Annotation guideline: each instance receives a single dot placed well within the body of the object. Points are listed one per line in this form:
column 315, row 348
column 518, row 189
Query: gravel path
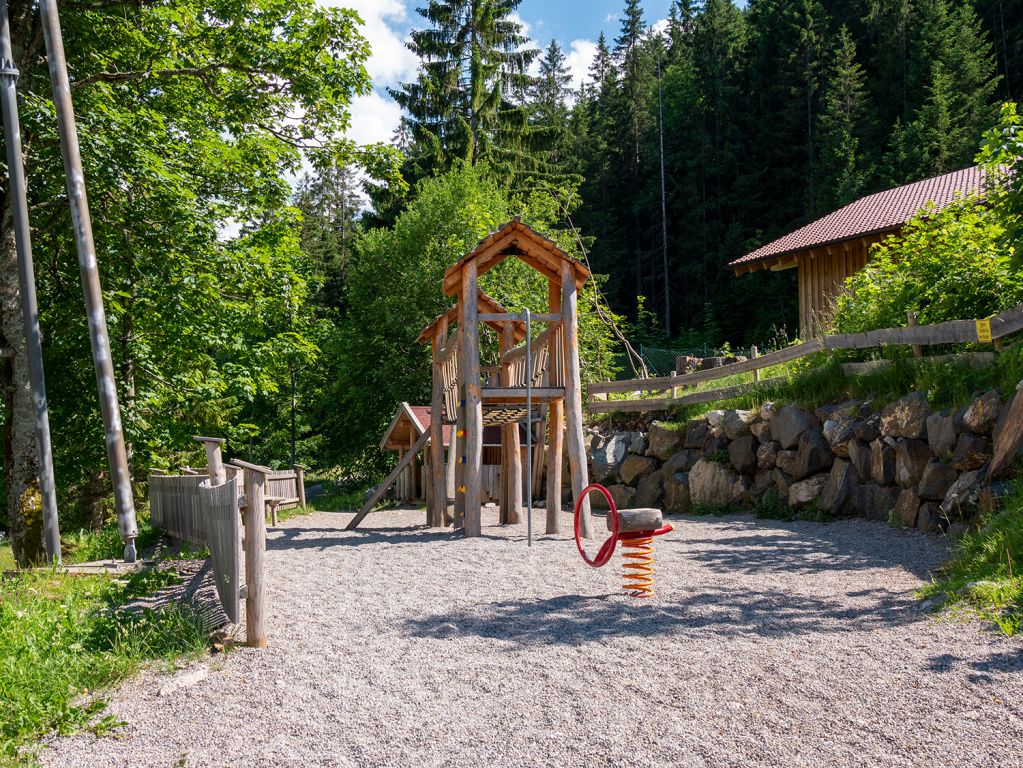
column 770, row 644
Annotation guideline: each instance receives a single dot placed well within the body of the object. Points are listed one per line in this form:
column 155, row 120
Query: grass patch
column 62, row 641
column 338, row 497
column 105, row 544
column 985, row 579
column 6, row 558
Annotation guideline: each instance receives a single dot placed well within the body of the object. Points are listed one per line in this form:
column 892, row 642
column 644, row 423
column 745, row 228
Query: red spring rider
column 635, row 529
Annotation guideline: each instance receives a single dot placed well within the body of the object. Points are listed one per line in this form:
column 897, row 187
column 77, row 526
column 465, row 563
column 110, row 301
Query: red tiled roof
column 873, row 214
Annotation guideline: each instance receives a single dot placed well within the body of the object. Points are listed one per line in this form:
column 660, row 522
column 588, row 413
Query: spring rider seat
column 635, row 529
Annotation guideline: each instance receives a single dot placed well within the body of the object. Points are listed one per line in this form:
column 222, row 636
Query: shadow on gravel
column 293, row 538
column 1007, row 662
column 716, row 612
column 760, row 546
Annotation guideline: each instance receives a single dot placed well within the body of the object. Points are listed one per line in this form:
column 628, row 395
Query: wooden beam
column 439, row 498
column 573, row 395
column 391, row 478
column 473, row 403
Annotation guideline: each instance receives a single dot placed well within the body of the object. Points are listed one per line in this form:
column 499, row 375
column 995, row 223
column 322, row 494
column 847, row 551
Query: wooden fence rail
column 952, row 332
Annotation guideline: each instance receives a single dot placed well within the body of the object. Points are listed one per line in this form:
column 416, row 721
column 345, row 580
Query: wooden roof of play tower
column 515, row 239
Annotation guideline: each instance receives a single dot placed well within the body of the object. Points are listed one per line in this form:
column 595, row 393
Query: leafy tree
column 1002, row 156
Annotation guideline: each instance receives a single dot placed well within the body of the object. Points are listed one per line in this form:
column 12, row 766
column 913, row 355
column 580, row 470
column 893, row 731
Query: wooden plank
column 255, row 551
column 574, row 443
column 505, row 317
column 473, row 402
column 630, row 406
column 518, row 394
column 951, row 332
column 391, row 478
column 1007, row 322
column 667, row 382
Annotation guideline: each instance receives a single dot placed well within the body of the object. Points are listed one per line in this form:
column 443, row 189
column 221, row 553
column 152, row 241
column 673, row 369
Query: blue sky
column 576, row 24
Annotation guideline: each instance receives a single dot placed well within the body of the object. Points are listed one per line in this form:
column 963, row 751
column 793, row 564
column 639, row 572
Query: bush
column 946, row 265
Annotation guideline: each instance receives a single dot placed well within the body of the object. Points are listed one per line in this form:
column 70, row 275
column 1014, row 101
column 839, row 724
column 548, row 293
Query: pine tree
column 549, row 113
column 463, row 103
column 843, row 169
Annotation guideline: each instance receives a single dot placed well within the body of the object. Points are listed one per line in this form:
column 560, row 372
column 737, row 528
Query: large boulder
column 787, row 461
column 767, row 411
column 782, row 482
column 608, row 454
column 767, row 455
column 761, row 430
column 882, row 463
column 710, row 484
column 962, row 498
column 1009, row 437
column 861, row 458
column 664, row 439
column 907, row 506
column 696, row 434
column 869, row 429
column 982, row 413
column 635, row 468
column 716, row 442
column 650, row 492
column 838, row 491
column 638, row 445
column 624, row 497
column 839, row 434
column 714, row 417
column 806, row 492
column 906, row 417
column 911, row 459
column 763, row 481
column 814, row 454
column 873, row 502
column 683, row 461
column 742, row 452
column 928, row 518
column 936, row 481
column 737, row 423
column 972, row 452
column 676, row 494
column 941, row 433
column 789, row 423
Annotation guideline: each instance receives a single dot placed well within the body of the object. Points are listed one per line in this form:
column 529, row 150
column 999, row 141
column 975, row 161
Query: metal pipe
column 27, row 282
column 98, row 336
column 529, row 433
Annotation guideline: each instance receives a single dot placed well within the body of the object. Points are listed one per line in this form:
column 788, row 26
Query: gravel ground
column 769, row 644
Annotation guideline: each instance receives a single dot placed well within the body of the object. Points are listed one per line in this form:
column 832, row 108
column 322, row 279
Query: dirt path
column 781, row 644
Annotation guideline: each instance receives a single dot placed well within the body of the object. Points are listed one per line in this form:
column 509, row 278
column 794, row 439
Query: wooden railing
column 953, row 332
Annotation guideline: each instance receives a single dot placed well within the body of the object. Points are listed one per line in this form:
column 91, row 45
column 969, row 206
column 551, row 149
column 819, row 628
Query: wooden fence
column 219, row 505
column 953, row 332
column 174, row 507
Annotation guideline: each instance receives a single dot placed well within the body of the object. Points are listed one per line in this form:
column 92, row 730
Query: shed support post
column 573, row 394
column 473, row 401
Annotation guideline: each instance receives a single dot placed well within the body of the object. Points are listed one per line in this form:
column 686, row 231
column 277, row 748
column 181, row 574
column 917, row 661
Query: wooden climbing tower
column 471, row 397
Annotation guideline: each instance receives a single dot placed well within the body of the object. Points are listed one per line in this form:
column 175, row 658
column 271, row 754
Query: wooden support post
column 381, row 489
column 413, row 485
column 459, row 432
column 556, row 426
column 918, row 351
column 439, row 497
column 214, row 459
column 511, row 454
column 473, row 401
column 451, row 475
column 573, row 394
column 400, row 491
column 300, row 483
column 255, row 550
column 754, row 353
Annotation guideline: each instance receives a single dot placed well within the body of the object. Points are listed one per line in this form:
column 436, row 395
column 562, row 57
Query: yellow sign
column 984, row 331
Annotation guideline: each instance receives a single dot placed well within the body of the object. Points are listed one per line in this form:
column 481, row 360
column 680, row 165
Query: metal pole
column 27, row 281
column 116, row 456
column 529, row 433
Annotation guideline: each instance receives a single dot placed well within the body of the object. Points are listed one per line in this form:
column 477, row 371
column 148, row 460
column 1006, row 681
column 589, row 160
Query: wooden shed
column 836, row 246
column 409, row 424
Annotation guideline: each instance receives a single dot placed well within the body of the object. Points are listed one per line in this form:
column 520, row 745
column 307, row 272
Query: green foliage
column 946, row 265
column 1002, row 156
column 985, row 578
column 62, row 642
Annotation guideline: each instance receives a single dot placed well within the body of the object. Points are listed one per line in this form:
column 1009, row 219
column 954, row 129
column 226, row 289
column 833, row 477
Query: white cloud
column 375, row 117
column 659, row 27
column 385, row 26
column 578, row 59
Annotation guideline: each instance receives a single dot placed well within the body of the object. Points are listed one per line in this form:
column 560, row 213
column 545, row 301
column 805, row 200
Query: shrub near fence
column 957, row 331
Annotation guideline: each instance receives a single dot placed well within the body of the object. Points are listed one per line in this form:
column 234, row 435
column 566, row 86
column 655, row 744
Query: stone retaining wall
column 904, row 464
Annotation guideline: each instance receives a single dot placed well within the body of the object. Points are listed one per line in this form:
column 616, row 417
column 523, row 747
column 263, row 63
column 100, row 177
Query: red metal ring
column 608, row 547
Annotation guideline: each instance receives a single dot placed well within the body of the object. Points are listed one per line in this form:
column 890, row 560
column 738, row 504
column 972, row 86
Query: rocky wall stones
column 906, row 417
column 789, row 423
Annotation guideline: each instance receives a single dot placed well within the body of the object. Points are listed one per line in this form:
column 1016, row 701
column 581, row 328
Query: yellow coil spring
column 638, row 568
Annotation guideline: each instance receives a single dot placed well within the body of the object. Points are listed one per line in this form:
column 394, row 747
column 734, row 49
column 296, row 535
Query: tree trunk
column 94, row 501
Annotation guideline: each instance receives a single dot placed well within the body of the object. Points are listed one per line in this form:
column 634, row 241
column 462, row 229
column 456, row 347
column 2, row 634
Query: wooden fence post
column 255, row 551
column 300, row 483
column 214, row 459
column 754, row 353
column 918, row 351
